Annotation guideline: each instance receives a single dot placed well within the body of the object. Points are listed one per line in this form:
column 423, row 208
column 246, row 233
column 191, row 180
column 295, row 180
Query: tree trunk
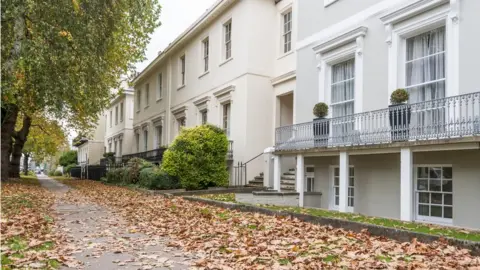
column 20, row 139
column 9, row 119
column 25, row 163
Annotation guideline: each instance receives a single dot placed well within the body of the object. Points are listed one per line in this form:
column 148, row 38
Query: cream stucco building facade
column 234, row 68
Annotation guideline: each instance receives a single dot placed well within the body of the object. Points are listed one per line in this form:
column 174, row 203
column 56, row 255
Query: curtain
column 426, row 63
column 343, row 83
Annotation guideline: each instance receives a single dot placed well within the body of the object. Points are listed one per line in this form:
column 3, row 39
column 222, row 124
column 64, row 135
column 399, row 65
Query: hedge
column 197, row 157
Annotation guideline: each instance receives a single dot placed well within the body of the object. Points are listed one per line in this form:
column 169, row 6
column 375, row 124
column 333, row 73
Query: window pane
column 423, row 210
column 436, row 198
column 337, row 200
column 435, row 185
column 447, row 172
column 422, row 184
column 447, row 186
column 447, row 199
column 435, row 173
column 351, row 181
column 351, row 172
column 436, row 211
column 351, row 192
column 351, row 202
column 422, row 172
column 337, row 191
column 424, row 197
column 447, row 212
column 336, row 181
column 310, row 169
column 337, row 172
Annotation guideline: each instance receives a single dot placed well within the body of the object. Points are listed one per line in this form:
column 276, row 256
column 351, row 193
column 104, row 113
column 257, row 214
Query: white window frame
column 403, row 23
column 227, row 26
column 202, row 113
column 121, row 111
column 159, row 86
column 158, row 137
column 181, row 122
column 227, row 117
column 139, row 99
column 309, row 179
column 284, row 34
column 147, row 95
column 336, row 50
column 137, row 141
column 111, row 118
column 205, row 55
column 182, row 71
column 331, row 192
column 429, row 219
column 116, row 115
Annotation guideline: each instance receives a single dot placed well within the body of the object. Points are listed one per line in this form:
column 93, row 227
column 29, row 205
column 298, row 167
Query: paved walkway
column 103, row 240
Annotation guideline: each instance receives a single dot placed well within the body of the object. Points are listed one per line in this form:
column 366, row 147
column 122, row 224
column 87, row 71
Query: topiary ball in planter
column 320, row 110
column 399, row 96
column 321, row 126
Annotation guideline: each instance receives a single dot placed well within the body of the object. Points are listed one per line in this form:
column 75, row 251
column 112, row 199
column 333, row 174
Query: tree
column 68, row 158
column 197, row 157
column 44, row 140
column 62, row 59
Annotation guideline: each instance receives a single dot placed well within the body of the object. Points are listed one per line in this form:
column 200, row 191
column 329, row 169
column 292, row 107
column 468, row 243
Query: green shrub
column 57, row 173
column 135, row 165
column 115, row 176
column 197, row 157
column 155, row 178
column 320, row 110
column 29, row 173
column 399, row 96
column 51, row 173
column 68, row 168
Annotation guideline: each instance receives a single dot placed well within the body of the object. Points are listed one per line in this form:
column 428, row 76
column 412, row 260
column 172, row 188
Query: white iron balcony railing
column 449, row 117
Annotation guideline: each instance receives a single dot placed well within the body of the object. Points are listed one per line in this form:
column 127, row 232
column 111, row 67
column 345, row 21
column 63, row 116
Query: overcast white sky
column 176, row 16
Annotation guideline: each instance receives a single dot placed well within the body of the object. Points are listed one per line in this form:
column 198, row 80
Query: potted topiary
column 399, row 115
column 321, row 126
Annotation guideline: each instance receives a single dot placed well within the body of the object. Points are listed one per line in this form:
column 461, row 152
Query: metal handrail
column 447, row 117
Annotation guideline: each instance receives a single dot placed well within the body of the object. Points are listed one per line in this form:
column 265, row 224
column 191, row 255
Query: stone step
column 258, row 178
column 261, row 174
column 292, row 169
column 289, row 183
column 289, row 173
column 289, row 188
column 255, row 182
column 288, row 177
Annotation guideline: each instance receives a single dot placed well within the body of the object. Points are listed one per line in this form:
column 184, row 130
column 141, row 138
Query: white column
column 277, row 172
column 344, row 171
column 268, row 166
column 406, row 184
column 300, row 178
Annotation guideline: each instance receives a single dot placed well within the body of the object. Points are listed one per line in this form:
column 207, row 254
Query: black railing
column 155, row 155
column 240, row 172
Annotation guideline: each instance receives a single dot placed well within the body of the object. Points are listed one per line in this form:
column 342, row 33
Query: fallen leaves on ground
column 226, row 239
column 28, row 235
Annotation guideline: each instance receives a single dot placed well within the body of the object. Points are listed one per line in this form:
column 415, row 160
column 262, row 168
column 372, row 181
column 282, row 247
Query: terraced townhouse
column 235, row 68
column 352, row 55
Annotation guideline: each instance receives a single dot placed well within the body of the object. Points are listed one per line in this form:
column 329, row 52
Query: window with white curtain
column 226, row 118
column 147, row 94
column 160, row 86
column 343, row 97
column 205, row 45
column 425, row 79
column 227, row 31
column 425, row 66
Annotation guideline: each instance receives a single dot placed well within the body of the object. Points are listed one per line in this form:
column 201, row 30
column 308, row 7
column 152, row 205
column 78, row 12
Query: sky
column 176, row 17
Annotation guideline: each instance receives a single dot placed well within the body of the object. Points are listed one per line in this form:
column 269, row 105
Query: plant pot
column 321, row 132
column 399, row 116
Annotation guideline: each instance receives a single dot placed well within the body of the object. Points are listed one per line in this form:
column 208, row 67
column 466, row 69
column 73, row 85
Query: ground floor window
column 310, row 178
column 336, row 187
column 434, row 193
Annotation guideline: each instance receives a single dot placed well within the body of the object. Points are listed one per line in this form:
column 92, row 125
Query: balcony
column 445, row 118
column 155, row 155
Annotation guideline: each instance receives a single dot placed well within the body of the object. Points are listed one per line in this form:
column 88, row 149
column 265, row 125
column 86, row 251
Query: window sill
column 180, row 87
column 146, row 107
column 159, row 99
column 327, row 3
column 285, row 54
column 203, row 74
column 226, row 61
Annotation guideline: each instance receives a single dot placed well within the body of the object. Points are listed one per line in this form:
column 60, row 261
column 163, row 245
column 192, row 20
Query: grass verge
column 432, row 229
